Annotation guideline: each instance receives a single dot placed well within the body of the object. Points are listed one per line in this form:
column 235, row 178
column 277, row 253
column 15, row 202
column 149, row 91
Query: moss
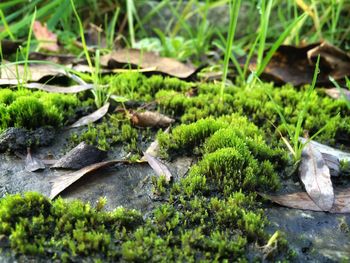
column 111, row 131
column 230, row 169
column 24, row 108
column 159, row 185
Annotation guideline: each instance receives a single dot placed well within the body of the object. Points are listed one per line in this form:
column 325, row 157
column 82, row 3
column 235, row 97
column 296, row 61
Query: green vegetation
column 31, row 110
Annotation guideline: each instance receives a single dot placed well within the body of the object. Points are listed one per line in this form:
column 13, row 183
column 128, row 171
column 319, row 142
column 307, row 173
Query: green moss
column 113, row 130
column 24, row 108
column 228, row 170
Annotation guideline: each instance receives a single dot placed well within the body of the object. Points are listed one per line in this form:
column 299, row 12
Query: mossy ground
column 213, row 214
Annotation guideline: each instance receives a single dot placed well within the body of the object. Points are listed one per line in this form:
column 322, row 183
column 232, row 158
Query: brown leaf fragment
column 296, row 65
column 145, row 60
column 80, row 156
column 57, row 89
column 301, row 200
column 150, row 119
column 315, row 175
column 33, row 164
column 158, row 166
column 333, row 59
column 47, row 39
column 95, row 116
column 35, row 72
column 61, row 183
column 63, row 59
column 338, row 93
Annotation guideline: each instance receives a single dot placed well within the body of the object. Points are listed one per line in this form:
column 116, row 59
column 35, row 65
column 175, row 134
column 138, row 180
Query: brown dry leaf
column 146, row 60
column 61, row 183
column 35, row 72
column 158, row 166
column 47, row 39
column 336, row 93
column 301, row 200
column 315, row 175
column 296, row 65
column 333, row 59
column 150, row 119
column 95, row 116
column 57, row 89
column 63, row 59
column 33, row 164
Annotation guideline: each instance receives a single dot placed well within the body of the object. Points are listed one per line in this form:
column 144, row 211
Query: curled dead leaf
column 150, row 119
column 33, row 164
column 47, row 39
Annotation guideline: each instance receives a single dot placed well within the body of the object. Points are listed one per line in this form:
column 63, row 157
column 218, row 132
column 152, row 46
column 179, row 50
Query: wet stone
column 18, row 139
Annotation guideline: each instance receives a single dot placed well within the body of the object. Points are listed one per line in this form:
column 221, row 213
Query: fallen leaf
column 296, row 65
column 35, row 72
column 333, row 60
column 332, row 163
column 146, row 60
column 301, row 200
column 47, row 39
column 342, row 156
column 95, row 116
column 80, row 156
column 61, row 183
column 336, row 93
column 315, row 175
column 63, row 59
column 57, row 89
column 158, row 166
column 33, row 164
column 150, row 119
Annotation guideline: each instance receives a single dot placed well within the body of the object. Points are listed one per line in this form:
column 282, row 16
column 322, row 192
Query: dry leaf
column 159, row 168
column 150, row 119
column 333, row 59
column 80, row 156
column 61, row 183
column 63, row 59
column 33, row 164
column 57, row 89
column 315, row 175
column 47, row 39
column 333, row 163
column 35, row 72
column 301, row 200
column 146, row 60
column 336, row 93
column 95, row 116
column 342, row 156
column 296, row 65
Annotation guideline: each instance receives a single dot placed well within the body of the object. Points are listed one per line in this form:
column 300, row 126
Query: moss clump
column 227, row 170
column 257, row 106
column 31, row 110
column 57, row 229
column 136, row 86
column 111, row 131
